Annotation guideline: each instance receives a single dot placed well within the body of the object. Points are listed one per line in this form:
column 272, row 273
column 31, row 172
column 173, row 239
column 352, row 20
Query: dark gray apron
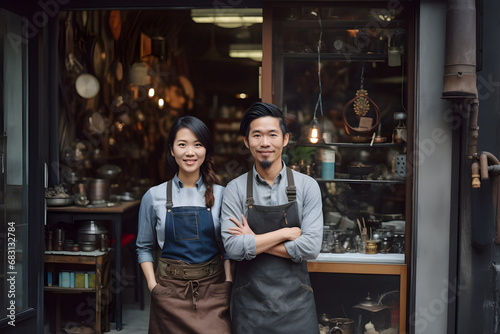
column 272, row 294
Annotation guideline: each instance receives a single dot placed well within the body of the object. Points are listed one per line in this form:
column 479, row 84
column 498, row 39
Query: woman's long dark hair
column 201, row 132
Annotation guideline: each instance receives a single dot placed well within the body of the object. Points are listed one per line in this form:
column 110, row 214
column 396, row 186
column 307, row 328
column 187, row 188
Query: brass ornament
column 361, row 105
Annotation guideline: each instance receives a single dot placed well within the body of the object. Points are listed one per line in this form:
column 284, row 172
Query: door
column 21, row 173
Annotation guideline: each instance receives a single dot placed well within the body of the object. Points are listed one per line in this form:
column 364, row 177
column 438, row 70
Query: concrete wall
column 432, row 182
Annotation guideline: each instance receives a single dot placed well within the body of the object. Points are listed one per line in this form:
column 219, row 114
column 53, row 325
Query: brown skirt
column 190, row 306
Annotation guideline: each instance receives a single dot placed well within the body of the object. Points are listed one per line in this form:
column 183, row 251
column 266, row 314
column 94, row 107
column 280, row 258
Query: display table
column 400, row 270
column 117, row 215
column 98, row 261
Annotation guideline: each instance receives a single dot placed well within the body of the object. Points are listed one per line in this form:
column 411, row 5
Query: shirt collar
column 278, row 178
column 179, row 184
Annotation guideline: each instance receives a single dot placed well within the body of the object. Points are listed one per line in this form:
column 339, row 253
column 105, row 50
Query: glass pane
column 342, row 72
column 13, row 162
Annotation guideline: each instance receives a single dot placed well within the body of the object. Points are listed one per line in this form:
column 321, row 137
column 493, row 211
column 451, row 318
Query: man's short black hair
column 258, row 110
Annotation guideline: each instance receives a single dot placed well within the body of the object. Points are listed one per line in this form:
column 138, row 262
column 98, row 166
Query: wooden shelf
column 56, row 289
column 100, row 262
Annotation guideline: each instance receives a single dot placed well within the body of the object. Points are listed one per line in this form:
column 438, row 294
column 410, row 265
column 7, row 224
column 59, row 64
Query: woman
column 191, row 288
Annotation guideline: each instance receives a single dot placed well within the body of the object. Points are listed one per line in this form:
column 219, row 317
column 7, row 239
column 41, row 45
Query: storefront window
column 13, row 171
column 340, row 75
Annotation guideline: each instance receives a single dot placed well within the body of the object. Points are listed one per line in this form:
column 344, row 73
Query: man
column 272, row 223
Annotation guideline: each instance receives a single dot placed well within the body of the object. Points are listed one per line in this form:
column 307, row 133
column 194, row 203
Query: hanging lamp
column 315, row 131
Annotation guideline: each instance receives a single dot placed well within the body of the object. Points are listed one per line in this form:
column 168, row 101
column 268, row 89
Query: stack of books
column 72, row 279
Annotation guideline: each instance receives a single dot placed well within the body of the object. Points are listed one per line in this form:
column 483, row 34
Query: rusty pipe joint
column 476, row 182
column 486, row 159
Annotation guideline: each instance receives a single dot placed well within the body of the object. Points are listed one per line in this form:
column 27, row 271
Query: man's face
column 265, row 140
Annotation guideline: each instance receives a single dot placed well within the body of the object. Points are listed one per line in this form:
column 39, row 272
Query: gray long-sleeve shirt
column 310, row 212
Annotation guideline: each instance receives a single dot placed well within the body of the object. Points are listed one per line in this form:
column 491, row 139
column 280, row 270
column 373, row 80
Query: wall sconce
column 252, row 51
column 228, row 18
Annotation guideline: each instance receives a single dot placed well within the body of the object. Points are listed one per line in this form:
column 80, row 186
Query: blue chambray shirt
column 152, row 213
column 310, row 211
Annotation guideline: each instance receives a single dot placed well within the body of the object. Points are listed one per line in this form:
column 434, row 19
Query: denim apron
column 189, row 298
column 272, row 294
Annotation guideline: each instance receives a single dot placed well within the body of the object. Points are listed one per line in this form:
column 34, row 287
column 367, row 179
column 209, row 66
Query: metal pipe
column 485, row 159
column 460, row 52
column 494, row 170
column 473, row 129
column 483, row 163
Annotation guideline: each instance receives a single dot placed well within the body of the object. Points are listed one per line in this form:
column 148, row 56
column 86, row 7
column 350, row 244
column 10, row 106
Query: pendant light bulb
column 314, row 132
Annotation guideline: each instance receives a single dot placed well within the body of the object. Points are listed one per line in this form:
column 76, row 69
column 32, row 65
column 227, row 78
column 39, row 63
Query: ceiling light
column 252, row 51
column 228, row 18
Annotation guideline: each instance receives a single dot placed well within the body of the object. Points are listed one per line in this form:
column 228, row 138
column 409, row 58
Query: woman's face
column 188, row 151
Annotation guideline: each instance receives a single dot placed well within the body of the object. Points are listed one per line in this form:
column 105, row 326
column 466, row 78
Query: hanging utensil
column 87, row 85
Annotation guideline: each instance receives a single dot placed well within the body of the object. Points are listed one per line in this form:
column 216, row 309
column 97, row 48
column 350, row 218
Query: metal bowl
column 87, row 246
column 59, row 201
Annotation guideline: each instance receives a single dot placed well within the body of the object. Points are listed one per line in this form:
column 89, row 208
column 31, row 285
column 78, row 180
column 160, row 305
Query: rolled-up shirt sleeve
column 308, row 245
column 238, row 247
column 146, row 236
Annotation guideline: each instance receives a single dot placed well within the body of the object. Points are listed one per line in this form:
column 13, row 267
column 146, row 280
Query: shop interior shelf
column 349, row 145
column 334, row 23
column 360, row 258
column 363, row 181
column 336, row 56
column 56, row 289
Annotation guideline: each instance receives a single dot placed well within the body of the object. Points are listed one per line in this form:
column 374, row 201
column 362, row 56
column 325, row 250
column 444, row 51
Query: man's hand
column 292, row 233
column 240, row 228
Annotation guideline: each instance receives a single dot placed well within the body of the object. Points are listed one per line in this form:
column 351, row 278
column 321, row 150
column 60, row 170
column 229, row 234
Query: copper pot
column 99, row 190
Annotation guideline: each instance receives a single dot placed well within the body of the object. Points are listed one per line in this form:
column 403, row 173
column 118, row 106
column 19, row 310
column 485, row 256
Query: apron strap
column 169, row 203
column 250, row 199
column 291, row 191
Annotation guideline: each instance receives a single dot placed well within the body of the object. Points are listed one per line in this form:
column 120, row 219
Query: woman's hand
column 240, row 228
column 152, row 286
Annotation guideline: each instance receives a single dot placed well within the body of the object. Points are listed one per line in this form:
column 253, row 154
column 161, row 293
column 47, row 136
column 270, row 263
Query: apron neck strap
column 291, row 191
column 169, row 203
column 250, row 199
